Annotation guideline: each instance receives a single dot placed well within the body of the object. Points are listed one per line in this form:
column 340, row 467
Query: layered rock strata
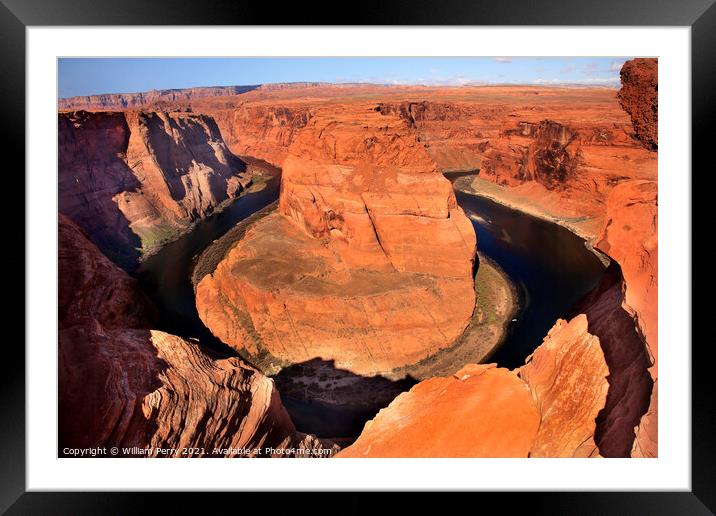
column 132, row 180
column 368, row 262
column 571, row 155
column 120, row 101
column 639, row 96
column 147, row 392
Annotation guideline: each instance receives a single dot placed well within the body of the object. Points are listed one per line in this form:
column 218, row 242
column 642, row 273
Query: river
column 166, row 275
column 550, row 266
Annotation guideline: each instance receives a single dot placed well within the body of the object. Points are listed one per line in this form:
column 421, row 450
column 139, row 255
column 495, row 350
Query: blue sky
column 88, row 76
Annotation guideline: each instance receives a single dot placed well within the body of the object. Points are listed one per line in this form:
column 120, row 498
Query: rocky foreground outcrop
column 132, row 180
column 368, row 261
column 545, row 409
column 123, row 384
column 639, row 96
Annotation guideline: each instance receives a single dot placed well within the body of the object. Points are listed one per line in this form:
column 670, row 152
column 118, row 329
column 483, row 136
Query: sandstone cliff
column 639, row 96
column 630, row 237
column 369, row 260
column 263, row 130
column 120, row 101
column 123, row 384
column 556, row 153
column 133, row 180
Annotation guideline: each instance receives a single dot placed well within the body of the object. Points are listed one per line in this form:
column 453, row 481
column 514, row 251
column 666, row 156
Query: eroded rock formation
column 481, row 411
column 368, row 262
column 567, row 376
column 630, row 237
column 363, row 263
column 639, row 96
column 123, row 384
column 133, row 180
column 262, row 130
column 547, row 408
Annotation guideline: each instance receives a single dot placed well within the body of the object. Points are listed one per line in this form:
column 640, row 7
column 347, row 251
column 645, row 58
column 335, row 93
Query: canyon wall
column 262, row 130
column 133, row 180
column 123, row 384
column 368, row 261
column 639, row 96
column 554, row 152
column 630, row 237
column 121, row 101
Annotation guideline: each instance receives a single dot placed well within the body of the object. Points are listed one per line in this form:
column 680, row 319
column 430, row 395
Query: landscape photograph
column 358, row 257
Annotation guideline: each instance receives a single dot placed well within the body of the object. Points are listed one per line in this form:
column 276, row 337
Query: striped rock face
column 132, row 180
column 125, row 385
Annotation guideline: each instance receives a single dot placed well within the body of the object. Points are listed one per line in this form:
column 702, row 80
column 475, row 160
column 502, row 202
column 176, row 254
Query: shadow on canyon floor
column 626, row 355
column 335, row 403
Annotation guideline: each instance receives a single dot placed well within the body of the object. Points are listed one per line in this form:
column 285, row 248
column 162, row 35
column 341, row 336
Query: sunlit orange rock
column 547, row 408
column 481, row 411
column 368, row 260
column 639, row 96
column 567, row 375
column 630, row 236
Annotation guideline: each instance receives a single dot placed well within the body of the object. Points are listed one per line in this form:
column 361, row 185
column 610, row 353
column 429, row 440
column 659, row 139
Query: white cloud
column 595, row 81
column 503, row 59
column 617, row 65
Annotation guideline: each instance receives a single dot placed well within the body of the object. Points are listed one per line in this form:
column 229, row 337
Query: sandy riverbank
column 584, row 227
column 497, row 303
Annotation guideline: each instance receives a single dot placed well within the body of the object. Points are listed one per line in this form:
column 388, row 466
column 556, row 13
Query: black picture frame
column 17, row 15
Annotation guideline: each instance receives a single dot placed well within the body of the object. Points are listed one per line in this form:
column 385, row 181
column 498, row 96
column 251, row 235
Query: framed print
column 425, row 257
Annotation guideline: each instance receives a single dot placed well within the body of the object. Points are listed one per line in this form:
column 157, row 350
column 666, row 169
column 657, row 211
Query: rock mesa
column 368, row 261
